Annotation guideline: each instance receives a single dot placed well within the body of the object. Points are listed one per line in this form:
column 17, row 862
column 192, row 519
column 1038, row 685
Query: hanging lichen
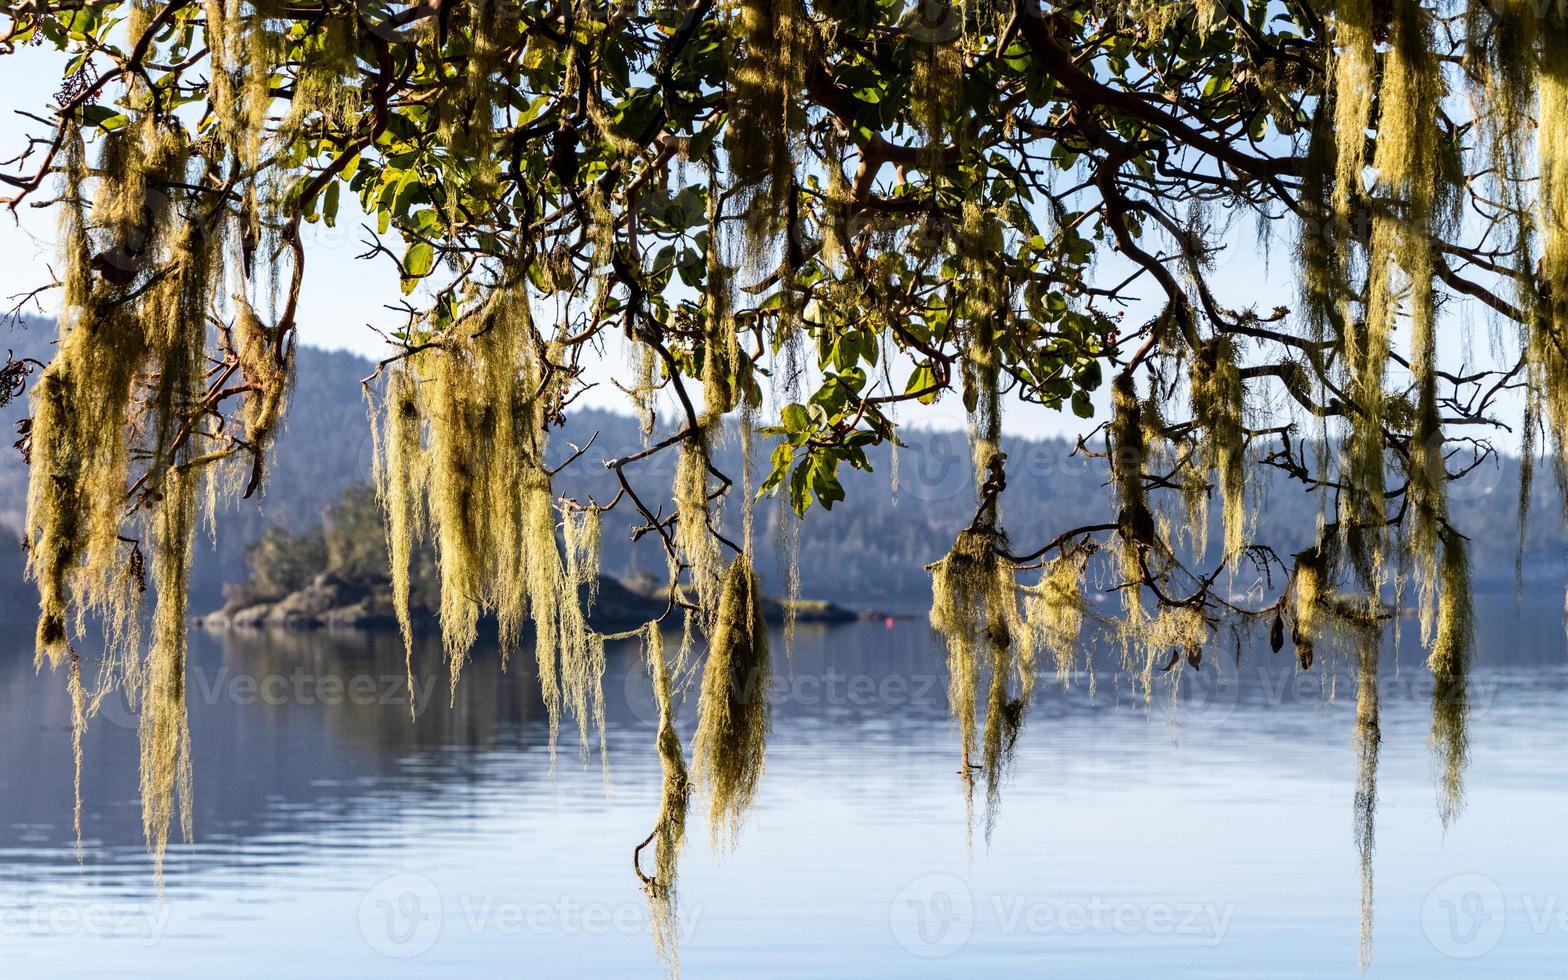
column 1054, row 610
column 563, row 641
column 836, row 204
column 1427, row 469
column 325, row 82
column 1546, row 351
column 1414, row 178
column 580, row 529
column 1195, row 487
column 1135, row 523
column 975, row 612
column 974, row 608
column 522, row 159
column 1450, row 665
column 490, row 508
column 164, row 727
column 1501, row 40
column 78, row 695
column 242, row 52
column 1368, row 741
column 981, row 375
column 80, row 438
column 669, row 833
column 1310, row 587
column 767, row 71
column 1217, row 403
column 399, row 471
column 458, row 503
column 966, row 572
column 645, row 390
column 466, row 118
column 936, row 93
column 267, row 372
column 518, row 501
column 692, row 534
column 116, row 435
column 1355, row 68
column 733, row 709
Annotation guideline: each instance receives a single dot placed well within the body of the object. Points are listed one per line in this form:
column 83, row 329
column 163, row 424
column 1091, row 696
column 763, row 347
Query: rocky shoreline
column 333, row 602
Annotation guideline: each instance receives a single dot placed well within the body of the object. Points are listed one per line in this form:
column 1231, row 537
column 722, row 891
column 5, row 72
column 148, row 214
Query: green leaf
column 799, row 490
column 794, row 418
column 104, row 117
column 420, row 259
column 921, row 379
column 700, row 145
column 417, row 263
column 329, row 208
column 409, row 192
column 424, row 221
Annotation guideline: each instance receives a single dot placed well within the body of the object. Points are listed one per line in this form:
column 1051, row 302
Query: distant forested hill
column 869, row 551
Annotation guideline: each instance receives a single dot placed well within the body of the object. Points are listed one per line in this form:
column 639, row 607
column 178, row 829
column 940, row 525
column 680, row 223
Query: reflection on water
column 338, row 836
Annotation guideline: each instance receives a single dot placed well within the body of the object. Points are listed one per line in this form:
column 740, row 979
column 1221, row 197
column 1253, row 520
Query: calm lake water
column 336, row 837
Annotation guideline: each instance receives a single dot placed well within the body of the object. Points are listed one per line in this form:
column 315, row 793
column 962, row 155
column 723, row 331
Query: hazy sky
column 343, row 295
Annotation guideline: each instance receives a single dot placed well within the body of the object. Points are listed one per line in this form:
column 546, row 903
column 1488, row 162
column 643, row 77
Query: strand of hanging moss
column 733, row 711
